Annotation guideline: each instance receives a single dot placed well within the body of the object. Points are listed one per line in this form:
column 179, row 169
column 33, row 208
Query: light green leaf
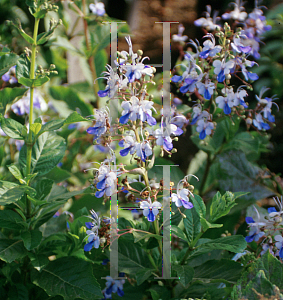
column 15, row 172
column 31, row 238
column 35, row 128
column 74, row 117
column 11, row 220
column 47, row 152
column 7, row 61
column 69, row 277
column 185, row 274
column 198, row 205
column 11, row 250
column 13, row 128
column 23, row 67
column 33, row 82
column 8, row 95
column 13, row 194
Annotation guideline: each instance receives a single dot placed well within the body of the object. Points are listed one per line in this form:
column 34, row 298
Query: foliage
column 63, row 161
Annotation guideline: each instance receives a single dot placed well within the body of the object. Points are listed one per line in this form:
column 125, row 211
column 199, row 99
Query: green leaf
column 8, row 95
column 234, row 243
column 47, row 152
column 13, row 194
column 74, row 117
column 7, row 61
column 224, row 270
column 140, row 235
column 192, row 224
column 35, row 128
column 15, row 172
column 11, row 220
column 66, row 45
column 206, row 225
column 178, row 232
column 33, row 82
column 139, row 186
column 72, row 99
column 31, row 238
column 132, row 258
column 185, row 274
column 198, row 205
column 23, row 66
column 58, row 175
column 19, row 28
column 43, row 188
column 69, row 277
column 13, row 128
column 260, row 285
column 142, row 276
column 11, row 250
column 237, row 174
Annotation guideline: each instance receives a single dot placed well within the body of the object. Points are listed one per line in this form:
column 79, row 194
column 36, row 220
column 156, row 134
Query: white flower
column 180, row 37
column 97, row 8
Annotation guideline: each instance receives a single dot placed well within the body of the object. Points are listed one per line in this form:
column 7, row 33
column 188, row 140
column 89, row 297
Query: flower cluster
column 10, row 76
column 268, row 231
column 137, row 131
column 225, row 58
column 98, row 232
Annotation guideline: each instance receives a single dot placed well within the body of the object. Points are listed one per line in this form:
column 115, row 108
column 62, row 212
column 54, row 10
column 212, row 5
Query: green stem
column 29, row 144
column 190, row 248
column 153, row 263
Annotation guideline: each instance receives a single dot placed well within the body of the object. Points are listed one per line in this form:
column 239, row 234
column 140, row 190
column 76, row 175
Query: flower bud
column 139, row 52
column 249, row 121
column 174, row 150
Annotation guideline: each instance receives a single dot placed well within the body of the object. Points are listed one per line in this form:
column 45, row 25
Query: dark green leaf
column 43, row 188
column 13, row 128
column 69, row 277
column 178, row 232
column 185, row 274
column 238, row 174
column 224, row 270
column 142, row 275
column 234, row 243
column 11, row 220
column 132, row 258
column 31, row 238
column 8, row 95
column 140, row 235
column 58, row 175
column 192, row 224
column 11, row 250
column 47, row 152
column 18, row 292
column 7, row 61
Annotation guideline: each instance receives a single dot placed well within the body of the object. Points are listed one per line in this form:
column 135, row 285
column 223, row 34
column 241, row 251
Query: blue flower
column 208, row 23
column 180, row 37
column 255, row 228
column 206, row 88
column 209, row 48
column 204, row 127
column 144, row 150
column 237, row 14
column 222, row 68
column 129, row 145
column 10, row 76
column 101, row 120
column 267, row 104
column 92, row 233
column 113, row 286
column 150, row 210
column 279, row 245
column 106, row 181
column 226, row 102
column 259, row 124
column 181, row 199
